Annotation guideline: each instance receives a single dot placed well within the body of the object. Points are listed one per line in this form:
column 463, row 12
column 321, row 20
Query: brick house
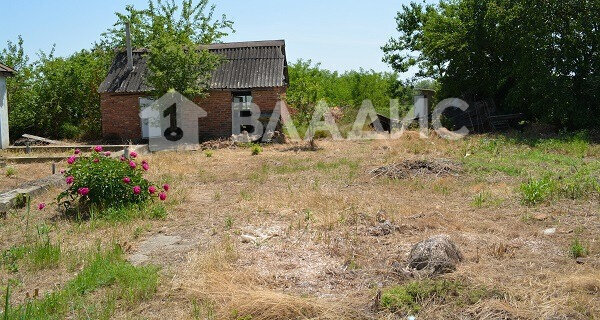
column 251, row 72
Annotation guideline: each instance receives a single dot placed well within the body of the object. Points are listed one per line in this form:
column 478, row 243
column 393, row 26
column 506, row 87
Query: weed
column 228, row 223
column 208, row 153
column 10, row 172
column 10, row 257
column 256, row 149
column 578, row 249
column 246, row 195
column 536, row 191
column 485, row 199
column 44, row 255
column 105, row 270
column 408, row 298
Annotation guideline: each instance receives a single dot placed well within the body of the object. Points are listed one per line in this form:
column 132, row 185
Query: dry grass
column 312, row 213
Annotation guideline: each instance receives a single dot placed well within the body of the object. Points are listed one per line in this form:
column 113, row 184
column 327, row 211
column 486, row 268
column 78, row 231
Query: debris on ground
column 383, row 228
column 549, row 231
column 259, row 236
column 218, row 144
column 412, row 168
column 436, row 255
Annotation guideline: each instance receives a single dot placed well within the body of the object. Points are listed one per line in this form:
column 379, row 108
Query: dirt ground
column 296, row 234
column 13, row 175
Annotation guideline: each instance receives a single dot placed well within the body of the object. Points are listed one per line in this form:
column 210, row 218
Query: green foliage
column 208, row 153
column 309, row 84
column 10, row 171
column 527, row 56
column 408, row 298
column 108, row 270
column 577, row 249
column 173, row 33
column 44, row 255
column 536, row 191
column 103, row 177
column 55, row 96
column 154, row 211
column 256, row 149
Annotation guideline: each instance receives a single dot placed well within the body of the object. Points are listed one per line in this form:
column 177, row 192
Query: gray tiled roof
column 256, row 64
column 6, row 70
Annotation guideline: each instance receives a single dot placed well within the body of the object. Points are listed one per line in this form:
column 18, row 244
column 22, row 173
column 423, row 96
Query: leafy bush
column 101, row 181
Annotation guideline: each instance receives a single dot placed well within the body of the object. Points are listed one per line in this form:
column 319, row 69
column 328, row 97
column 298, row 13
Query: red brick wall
column 120, row 116
column 120, row 113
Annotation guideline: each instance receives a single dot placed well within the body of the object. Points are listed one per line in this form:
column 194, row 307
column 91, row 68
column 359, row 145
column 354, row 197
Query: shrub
column 101, row 181
column 256, row 149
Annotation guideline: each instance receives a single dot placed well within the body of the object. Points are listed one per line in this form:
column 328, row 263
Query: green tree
column 309, row 84
column 55, row 96
column 174, row 34
column 535, row 57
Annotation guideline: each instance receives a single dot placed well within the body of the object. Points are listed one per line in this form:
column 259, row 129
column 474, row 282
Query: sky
column 340, row 34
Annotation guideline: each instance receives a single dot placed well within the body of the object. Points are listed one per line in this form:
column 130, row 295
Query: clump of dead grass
column 213, row 279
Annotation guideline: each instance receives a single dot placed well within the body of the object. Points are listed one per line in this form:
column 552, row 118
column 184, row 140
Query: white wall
column 3, row 114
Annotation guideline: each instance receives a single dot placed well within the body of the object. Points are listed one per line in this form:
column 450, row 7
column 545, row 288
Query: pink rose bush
column 103, row 181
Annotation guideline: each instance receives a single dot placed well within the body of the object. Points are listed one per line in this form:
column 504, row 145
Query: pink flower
column 145, row 166
column 71, row 159
column 162, row 196
column 41, row 206
column 132, row 164
column 77, row 151
column 98, row 148
column 83, row 191
column 137, row 190
column 96, row 160
column 62, row 171
column 107, row 154
column 133, row 154
column 123, row 158
column 69, row 179
column 152, row 189
column 166, row 187
column 127, row 180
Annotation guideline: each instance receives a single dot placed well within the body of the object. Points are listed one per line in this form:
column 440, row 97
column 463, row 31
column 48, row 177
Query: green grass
column 44, row 255
column 536, row 191
column 82, row 297
column 256, row 149
column 410, row 298
column 155, row 211
column 10, row 172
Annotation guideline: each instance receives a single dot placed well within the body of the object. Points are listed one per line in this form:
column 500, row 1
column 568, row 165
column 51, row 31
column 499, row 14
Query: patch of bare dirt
column 414, row 168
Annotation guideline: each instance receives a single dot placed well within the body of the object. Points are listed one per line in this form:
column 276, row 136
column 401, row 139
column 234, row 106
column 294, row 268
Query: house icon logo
column 172, row 122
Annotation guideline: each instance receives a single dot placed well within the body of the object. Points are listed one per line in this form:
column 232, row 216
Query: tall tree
column 536, row 57
column 174, row 34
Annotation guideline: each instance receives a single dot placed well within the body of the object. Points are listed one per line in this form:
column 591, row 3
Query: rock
column 436, row 255
column 549, row 231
